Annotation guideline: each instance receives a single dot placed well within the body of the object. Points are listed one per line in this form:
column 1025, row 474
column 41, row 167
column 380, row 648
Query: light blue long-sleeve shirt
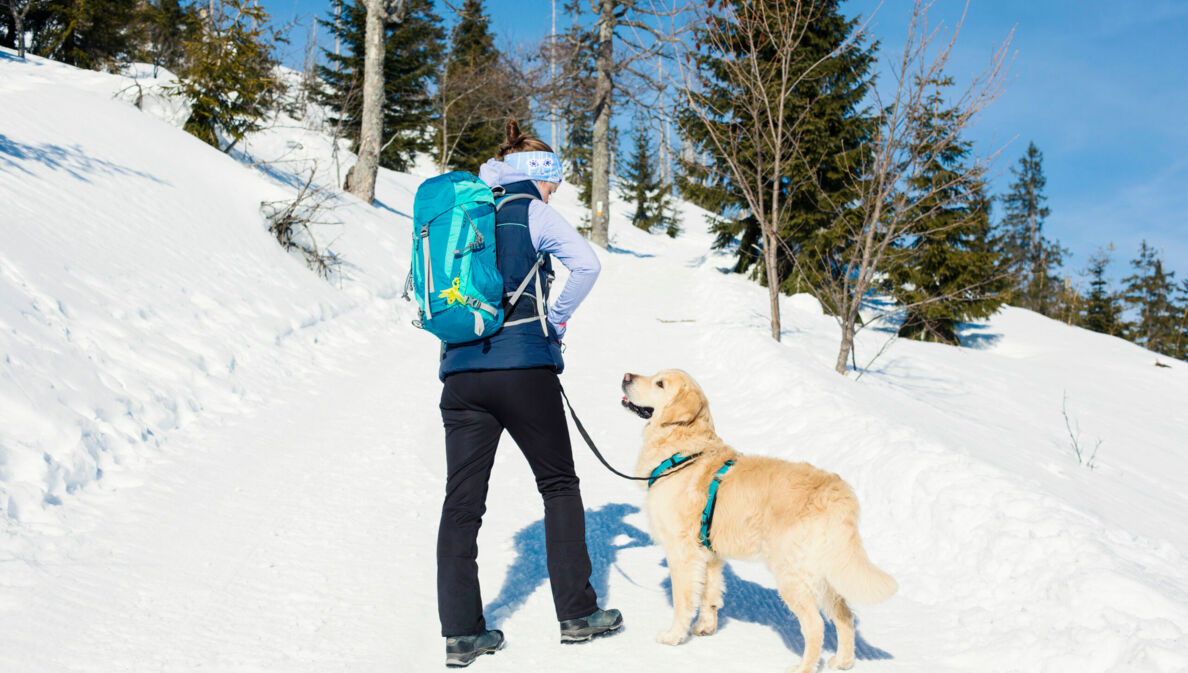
column 552, row 234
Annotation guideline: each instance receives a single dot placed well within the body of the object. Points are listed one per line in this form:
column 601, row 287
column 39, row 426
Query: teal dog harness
column 707, row 515
column 673, row 461
column 711, row 501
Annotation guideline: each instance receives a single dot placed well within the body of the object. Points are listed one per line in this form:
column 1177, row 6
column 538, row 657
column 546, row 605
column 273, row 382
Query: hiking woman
column 509, row 381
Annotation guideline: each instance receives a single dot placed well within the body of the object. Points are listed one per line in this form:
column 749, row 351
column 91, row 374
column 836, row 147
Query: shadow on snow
column 613, row 249
column 978, row 336
column 72, row 160
column 607, row 533
column 752, row 602
column 604, row 527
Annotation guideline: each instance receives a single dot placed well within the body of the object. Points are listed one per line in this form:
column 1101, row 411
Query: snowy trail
column 297, row 535
column 257, row 542
column 294, row 537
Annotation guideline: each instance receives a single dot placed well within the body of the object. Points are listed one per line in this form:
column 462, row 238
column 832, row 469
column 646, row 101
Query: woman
column 509, row 381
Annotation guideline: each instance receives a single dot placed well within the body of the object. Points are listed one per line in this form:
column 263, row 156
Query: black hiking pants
column 476, row 407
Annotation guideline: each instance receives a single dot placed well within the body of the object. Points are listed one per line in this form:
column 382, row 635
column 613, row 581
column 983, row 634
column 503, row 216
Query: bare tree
column 361, row 177
column 603, row 63
column 469, row 94
column 291, row 222
column 19, row 9
column 636, row 26
column 891, row 207
column 1085, row 458
column 758, row 139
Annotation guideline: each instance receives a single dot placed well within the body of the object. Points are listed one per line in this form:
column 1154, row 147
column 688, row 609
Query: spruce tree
column 818, row 186
column 94, row 34
column 168, row 26
column 231, row 75
column 413, row 52
column 480, row 91
column 1148, row 292
column 640, row 185
column 1103, row 312
column 1031, row 259
column 949, row 273
column 1181, row 331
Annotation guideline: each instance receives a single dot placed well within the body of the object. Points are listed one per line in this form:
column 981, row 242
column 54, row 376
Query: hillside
column 210, row 458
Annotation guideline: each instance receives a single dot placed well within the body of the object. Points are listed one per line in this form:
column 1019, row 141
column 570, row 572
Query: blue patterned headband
column 544, row 166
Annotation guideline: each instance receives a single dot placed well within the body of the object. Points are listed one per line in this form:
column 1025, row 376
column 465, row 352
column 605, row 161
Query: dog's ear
column 684, row 408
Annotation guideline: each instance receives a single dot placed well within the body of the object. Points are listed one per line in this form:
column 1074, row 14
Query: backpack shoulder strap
column 501, row 200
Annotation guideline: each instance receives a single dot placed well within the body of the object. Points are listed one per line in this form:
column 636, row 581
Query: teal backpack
column 453, row 273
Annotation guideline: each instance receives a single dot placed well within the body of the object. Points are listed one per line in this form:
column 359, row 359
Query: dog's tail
column 851, row 572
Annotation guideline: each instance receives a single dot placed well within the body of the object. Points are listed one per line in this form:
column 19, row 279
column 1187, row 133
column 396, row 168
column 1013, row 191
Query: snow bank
column 137, row 280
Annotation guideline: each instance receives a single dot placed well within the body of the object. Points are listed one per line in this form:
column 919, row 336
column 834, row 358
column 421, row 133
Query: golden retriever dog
column 800, row 520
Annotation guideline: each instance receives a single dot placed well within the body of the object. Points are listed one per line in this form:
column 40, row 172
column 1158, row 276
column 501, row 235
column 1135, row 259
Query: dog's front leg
column 687, row 569
column 711, row 600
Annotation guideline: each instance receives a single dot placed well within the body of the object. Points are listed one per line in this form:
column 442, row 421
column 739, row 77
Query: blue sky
column 1100, row 87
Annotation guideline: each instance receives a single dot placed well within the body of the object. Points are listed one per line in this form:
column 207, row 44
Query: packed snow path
column 212, row 460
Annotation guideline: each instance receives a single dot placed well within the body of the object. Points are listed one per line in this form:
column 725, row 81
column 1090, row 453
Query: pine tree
column 640, row 185
column 231, row 78
column 18, row 17
column 818, row 186
column 168, row 26
column 95, row 34
column 949, row 274
column 1103, row 312
column 8, row 25
column 1031, row 259
column 478, row 91
column 1149, row 292
column 1181, row 332
column 413, row 52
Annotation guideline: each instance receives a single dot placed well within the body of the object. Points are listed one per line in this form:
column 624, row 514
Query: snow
column 212, row 459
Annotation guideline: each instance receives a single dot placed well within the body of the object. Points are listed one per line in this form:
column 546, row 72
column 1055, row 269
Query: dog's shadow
column 752, row 602
column 605, row 530
column 607, row 533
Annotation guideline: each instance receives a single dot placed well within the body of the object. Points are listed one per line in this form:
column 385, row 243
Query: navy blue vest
column 519, row 346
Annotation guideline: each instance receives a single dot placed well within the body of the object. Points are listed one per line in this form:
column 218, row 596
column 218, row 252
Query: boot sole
column 464, row 660
column 582, row 637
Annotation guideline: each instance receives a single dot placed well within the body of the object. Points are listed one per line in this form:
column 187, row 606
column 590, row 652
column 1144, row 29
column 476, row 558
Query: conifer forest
column 835, row 164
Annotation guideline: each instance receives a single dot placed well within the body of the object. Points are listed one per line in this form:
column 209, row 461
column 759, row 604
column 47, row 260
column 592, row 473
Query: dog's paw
column 837, row 663
column 805, row 667
column 672, row 636
column 705, row 627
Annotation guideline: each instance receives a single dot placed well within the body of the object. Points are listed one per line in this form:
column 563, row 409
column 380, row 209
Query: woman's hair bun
column 514, row 138
column 514, row 135
column 517, row 142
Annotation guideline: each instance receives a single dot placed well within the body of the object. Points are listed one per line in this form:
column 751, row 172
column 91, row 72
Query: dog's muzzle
column 642, row 412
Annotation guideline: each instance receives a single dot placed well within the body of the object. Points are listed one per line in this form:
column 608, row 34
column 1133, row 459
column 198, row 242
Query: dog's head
column 668, row 398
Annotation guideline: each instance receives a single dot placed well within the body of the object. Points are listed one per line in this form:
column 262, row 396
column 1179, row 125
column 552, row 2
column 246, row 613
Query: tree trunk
column 847, row 345
column 18, row 21
column 771, row 262
column 362, row 176
column 600, row 197
column 443, row 88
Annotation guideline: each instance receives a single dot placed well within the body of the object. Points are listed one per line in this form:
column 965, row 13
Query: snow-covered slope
column 212, row 459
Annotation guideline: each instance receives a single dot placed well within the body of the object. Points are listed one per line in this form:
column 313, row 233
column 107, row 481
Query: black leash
column 590, row 442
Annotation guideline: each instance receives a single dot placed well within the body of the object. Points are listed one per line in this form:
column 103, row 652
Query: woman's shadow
column 606, row 529
column 604, row 526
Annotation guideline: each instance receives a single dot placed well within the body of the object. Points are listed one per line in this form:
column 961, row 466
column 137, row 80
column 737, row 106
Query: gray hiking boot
column 462, row 650
column 599, row 623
